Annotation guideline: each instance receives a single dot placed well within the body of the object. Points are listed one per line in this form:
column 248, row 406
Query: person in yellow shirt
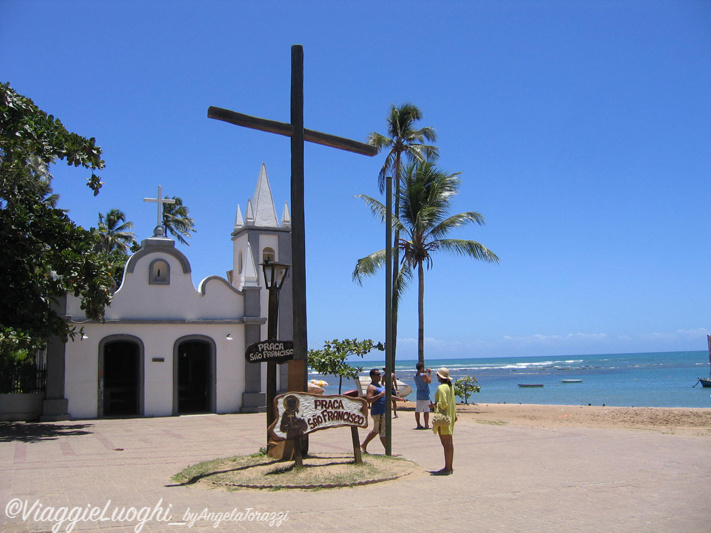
column 445, row 403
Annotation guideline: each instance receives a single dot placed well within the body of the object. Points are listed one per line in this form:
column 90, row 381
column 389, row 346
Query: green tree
column 116, row 241
column 404, row 142
column 424, row 204
column 176, row 220
column 465, row 387
column 45, row 254
column 114, row 231
column 331, row 360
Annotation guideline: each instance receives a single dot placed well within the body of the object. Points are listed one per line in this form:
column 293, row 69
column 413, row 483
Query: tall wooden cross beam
column 298, row 134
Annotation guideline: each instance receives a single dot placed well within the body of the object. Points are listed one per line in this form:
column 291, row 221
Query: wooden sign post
column 298, row 414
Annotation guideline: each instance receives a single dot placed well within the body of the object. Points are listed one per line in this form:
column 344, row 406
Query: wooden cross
column 160, row 201
column 295, row 130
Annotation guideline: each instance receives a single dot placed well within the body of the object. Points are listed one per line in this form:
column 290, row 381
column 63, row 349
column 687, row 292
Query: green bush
column 465, row 387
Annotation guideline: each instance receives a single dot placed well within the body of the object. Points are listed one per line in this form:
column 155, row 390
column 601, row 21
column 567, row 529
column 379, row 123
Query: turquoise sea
column 630, row 380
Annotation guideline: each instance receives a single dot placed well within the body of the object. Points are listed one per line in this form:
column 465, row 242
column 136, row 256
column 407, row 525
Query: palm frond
column 456, row 221
column 176, row 220
column 368, row 266
column 469, row 248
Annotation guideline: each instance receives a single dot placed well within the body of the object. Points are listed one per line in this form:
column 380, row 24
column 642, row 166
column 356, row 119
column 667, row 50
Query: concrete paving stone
column 507, row 478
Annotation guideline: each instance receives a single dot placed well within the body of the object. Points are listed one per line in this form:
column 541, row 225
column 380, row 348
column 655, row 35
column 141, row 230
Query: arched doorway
column 120, row 378
column 195, row 376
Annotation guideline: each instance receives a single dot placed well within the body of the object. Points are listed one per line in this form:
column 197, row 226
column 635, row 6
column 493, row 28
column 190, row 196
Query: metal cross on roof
column 160, row 201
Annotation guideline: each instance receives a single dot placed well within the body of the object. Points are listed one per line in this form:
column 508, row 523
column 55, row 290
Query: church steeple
column 258, row 233
column 286, row 217
column 264, row 210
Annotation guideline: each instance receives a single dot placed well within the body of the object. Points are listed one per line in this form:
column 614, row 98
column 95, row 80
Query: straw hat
column 443, row 373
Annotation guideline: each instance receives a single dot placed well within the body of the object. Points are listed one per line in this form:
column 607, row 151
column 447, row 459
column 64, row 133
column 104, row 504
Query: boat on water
column 571, row 380
column 706, row 382
column 530, row 385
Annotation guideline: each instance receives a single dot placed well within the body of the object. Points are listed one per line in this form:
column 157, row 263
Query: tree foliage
column 114, row 231
column 424, row 222
column 331, row 360
column 176, row 220
column 116, row 241
column 465, row 387
column 44, row 253
column 404, row 142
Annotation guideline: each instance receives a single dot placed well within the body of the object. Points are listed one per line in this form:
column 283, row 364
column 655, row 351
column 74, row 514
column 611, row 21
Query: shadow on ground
column 39, row 431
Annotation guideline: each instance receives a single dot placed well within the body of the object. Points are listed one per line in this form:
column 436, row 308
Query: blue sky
column 581, row 131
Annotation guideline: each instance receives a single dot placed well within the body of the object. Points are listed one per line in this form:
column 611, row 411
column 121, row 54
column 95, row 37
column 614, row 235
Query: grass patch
column 492, row 422
column 259, row 471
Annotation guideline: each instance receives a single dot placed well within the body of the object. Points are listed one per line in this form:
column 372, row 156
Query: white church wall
column 82, row 370
column 230, row 371
column 81, row 375
column 157, row 311
column 159, row 344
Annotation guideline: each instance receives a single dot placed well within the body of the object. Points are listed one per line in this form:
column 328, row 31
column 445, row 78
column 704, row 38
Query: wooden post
column 356, row 445
column 298, row 371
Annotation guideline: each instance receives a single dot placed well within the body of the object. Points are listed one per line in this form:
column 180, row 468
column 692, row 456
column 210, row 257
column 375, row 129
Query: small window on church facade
column 159, row 273
column 268, row 255
column 239, row 262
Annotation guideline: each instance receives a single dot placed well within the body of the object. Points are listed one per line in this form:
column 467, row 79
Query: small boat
column 706, row 382
column 530, row 385
column 571, row 380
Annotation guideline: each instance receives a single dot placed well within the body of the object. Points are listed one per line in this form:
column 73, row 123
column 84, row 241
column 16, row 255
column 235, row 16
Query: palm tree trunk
column 421, row 313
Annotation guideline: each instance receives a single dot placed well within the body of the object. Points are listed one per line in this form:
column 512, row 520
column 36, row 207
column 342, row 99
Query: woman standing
column 446, row 404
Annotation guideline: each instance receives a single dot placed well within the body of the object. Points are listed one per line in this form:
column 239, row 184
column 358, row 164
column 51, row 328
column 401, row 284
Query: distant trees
column 44, row 253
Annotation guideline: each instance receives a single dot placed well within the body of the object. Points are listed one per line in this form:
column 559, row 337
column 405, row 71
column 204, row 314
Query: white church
column 167, row 348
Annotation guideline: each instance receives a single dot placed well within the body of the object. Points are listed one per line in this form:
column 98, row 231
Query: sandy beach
column 667, row 420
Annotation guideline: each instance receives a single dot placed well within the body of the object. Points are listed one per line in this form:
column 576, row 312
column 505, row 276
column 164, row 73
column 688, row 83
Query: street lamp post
column 274, row 277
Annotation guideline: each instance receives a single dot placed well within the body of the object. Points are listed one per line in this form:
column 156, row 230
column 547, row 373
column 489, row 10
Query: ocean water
column 628, row 380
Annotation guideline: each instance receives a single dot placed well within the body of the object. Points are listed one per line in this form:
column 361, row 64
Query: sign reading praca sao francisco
column 270, row 351
column 299, row 413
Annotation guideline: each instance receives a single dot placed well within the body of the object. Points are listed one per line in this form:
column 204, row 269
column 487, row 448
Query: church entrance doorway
column 194, row 373
column 121, row 378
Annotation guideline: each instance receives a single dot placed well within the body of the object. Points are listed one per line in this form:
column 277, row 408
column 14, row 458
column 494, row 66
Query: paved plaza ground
column 508, row 478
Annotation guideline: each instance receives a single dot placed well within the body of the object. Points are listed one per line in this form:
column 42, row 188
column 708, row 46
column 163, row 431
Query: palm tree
column 403, row 142
column 422, row 217
column 176, row 220
column 113, row 229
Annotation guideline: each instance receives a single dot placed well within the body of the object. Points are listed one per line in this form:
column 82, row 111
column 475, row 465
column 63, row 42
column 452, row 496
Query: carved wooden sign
column 300, row 413
column 270, row 352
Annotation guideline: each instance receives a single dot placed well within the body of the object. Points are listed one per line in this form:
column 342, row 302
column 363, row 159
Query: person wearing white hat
column 445, row 408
